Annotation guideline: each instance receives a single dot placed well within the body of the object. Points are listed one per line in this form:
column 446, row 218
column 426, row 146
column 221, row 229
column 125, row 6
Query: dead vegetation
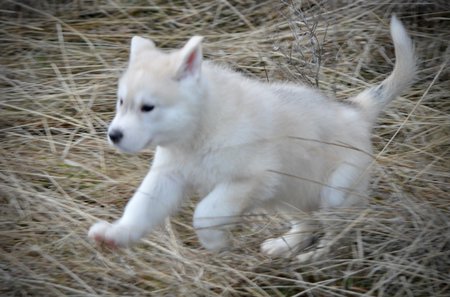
column 59, row 64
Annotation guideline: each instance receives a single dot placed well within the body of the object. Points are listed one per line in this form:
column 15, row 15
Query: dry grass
column 59, row 64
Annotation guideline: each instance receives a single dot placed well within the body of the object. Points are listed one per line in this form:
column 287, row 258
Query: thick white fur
column 241, row 144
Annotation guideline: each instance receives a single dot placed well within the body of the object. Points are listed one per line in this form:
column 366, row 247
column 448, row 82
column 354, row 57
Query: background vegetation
column 59, row 63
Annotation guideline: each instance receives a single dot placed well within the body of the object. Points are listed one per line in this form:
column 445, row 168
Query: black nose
column 115, row 136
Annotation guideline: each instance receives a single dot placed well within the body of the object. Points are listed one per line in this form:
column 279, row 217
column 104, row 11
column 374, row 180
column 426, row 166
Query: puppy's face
column 158, row 96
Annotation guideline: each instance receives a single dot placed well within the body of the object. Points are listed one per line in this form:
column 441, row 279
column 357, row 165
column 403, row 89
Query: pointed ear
column 138, row 44
column 190, row 58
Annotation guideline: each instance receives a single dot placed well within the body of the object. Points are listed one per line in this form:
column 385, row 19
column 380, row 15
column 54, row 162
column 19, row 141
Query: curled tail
column 374, row 99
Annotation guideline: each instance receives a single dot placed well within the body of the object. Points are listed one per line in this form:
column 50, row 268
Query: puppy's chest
column 203, row 171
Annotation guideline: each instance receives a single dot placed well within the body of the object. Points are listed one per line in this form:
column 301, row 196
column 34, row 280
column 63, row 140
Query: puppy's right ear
column 138, row 44
column 190, row 59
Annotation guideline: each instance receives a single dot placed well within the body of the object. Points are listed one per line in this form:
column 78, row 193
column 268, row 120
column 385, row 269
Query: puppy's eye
column 147, row 108
column 120, row 101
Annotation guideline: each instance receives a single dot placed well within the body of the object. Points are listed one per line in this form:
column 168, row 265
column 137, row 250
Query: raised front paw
column 113, row 235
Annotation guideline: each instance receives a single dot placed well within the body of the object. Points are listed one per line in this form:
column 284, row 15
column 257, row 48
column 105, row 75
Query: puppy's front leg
column 158, row 196
column 219, row 210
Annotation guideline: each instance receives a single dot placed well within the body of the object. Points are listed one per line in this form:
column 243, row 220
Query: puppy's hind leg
column 297, row 238
column 344, row 189
column 322, row 249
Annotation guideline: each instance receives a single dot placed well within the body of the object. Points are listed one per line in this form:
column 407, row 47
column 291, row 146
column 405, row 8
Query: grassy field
column 59, row 65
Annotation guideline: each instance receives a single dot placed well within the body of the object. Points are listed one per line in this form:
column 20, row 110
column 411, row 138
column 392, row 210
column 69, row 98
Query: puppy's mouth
column 148, row 144
column 131, row 150
column 124, row 149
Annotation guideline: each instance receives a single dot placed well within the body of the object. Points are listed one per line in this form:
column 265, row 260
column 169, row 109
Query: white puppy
column 241, row 143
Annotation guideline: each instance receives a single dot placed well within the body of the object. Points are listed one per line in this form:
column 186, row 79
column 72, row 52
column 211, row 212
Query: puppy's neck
column 195, row 135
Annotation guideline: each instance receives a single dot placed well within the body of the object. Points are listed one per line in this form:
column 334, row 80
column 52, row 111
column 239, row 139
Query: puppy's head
column 158, row 96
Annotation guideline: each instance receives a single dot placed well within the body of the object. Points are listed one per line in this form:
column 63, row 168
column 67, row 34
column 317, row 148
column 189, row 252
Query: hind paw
column 276, row 247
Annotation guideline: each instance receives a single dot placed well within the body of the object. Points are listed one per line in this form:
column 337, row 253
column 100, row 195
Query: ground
column 60, row 61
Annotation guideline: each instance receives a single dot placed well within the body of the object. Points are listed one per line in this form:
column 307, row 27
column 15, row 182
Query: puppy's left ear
column 138, row 44
column 189, row 60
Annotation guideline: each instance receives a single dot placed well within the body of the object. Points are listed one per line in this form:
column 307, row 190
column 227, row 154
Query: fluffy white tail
column 374, row 99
